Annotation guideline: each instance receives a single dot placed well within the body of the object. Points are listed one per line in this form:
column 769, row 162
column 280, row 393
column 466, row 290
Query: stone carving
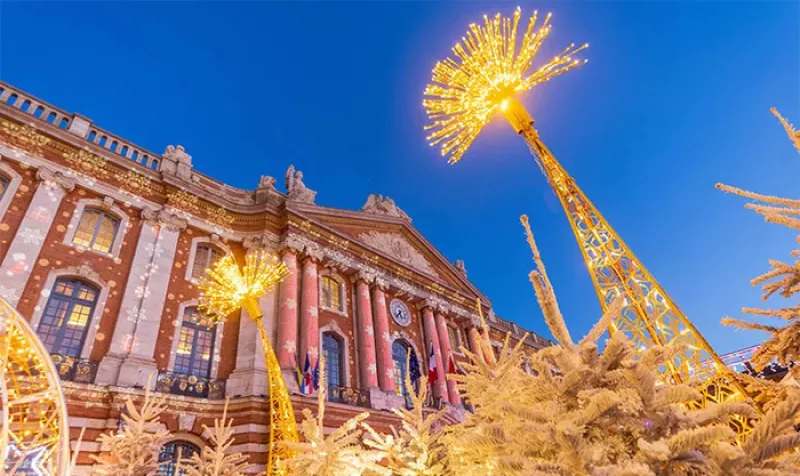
column 378, row 205
column 296, row 190
column 460, row 267
column 266, row 182
column 86, row 271
column 177, row 162
column 88, row 163
column 263, row 241
column 397, row 247
column 165, row 218
column 266, row 193
column 56, row 178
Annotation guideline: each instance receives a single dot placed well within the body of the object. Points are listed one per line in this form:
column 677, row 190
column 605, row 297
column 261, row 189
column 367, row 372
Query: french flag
column 307, row 385
column 432, row 365
column 451, row 365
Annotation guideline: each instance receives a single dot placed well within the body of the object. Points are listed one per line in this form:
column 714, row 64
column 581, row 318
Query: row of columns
column 299, row 309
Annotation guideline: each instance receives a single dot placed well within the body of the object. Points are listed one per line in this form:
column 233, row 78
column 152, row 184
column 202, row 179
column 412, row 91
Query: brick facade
column 166, row 212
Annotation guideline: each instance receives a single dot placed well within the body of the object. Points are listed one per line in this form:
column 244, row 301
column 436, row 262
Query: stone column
column 286, row 346
column 130, row 360
column 431, row 335
column 366, row 334
column 444, row 341
column 383, row 339
column 309, row 315
column 29, row 239
column 475, row 341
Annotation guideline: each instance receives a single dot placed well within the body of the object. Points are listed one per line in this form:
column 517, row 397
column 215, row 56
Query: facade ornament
column 108, row 201
column 475, row 322
column 134, row 182
column 397, row 247
column 219, row 216
column 55, row 178
column 380, row 284
column 186, row 421
column 86, row 271
column 314, row 252
column 366, row 276
column 266, row 193
column 265, row 241
column 164, row 217
column 266, row 182
column 296, row 190
column 85, row 162
column 177, row 162
column 293, row 242
column 26, row 135
column 378, row 205
column 183, row 200
column 460, row 266
column 491, row 316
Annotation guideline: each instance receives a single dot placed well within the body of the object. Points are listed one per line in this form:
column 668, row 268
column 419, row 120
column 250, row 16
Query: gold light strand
column 489, row 71
column 227, row 288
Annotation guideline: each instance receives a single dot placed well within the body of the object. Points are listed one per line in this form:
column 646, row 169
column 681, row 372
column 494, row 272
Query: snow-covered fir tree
column 216, row 459
column 584, row 412
column 783, row 345
column 134, row 449
column 416, row 448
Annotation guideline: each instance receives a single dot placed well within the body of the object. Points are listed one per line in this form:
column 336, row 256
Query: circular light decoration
column 400, row 312
column 32, row 408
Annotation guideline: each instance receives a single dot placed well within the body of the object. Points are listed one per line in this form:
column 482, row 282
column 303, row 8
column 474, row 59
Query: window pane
column 195, row 344
column 86, row 227
column 400, row 356
column 169, row 454
column 65, row 320
column 105, row 234
column 333, row 359
column 204, row 257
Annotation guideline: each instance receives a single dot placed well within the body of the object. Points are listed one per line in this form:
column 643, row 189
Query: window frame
column 171, row 470
column 196, row 243
column 71, row 302
column 14, row 180
column 399, row 365
column 330, row 277
column 106, row 207
column 194, row 358
column 216, row 342
column 103, row 215
column 340, row 361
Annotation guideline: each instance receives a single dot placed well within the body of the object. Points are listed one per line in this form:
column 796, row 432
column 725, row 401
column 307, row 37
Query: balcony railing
column 75, row 369
column 190, row 385
column 348, row 396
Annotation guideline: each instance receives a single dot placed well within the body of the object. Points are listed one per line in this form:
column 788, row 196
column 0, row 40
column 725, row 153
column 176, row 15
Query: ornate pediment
column 397, row 247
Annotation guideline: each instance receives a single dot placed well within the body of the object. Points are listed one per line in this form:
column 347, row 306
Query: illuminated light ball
column 4, row 227
column 100, row 336
column 24, row 188
column 61, row 228
column 117, row 261
column 43, row 262
column 112, row 284
column 65, row 215
column 81, row 192
column 170, row 296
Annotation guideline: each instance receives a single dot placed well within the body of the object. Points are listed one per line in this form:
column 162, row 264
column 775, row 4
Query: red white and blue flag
column 306, row 384
column 432, row 365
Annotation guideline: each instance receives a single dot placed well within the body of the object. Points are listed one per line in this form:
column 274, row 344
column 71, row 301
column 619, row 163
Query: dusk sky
column 675, row 98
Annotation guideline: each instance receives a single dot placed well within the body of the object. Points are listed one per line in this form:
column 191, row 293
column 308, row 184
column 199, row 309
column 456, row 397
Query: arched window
column 400, row 355
column 195, row 344
column 168, row 457
column 96, row 230
column 332, row 347
column 65, row 320
column 3, row 185
column 204, row 257
column 331, row 295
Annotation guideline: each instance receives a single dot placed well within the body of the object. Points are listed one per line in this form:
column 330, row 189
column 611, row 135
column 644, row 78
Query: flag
column 315, row 377
column 305, row 382
column 451, row 365
column 298, row 372
column 432, row 365
column 413, row 368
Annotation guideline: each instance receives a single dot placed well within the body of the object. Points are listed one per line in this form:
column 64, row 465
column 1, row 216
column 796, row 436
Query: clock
column 400, row 312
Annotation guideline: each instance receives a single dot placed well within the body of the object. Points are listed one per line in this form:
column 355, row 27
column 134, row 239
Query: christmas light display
column 34, row 433
column 491, row 71
column 228, row 288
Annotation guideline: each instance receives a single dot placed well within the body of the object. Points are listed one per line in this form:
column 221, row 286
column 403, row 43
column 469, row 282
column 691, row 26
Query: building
column 101, row 245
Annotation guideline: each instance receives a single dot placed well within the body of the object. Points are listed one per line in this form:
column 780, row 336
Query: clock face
column 400, row 312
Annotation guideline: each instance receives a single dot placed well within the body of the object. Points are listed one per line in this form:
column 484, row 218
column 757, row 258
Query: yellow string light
column 227, row 288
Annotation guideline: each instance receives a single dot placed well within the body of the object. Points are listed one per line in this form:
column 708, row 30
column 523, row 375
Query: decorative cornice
column 85, row 162
column 55, row 178
column 165, row 218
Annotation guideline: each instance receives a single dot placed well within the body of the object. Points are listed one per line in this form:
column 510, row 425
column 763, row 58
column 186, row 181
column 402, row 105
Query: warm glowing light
column 227, row 287
column 489, row 71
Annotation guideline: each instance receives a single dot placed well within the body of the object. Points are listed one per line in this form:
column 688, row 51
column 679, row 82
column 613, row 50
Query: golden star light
column 490, row 71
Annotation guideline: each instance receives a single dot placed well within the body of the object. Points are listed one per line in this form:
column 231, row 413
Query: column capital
column 379, row 284
column 260, row 241
column 366, row 277
column 56, row 178
column 165, row 218
column 313, row 253
column 292, row 243
column 429, row 305
column 475, row 322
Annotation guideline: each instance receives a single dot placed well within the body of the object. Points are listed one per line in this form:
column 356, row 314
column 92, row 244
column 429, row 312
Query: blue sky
column 676, row 97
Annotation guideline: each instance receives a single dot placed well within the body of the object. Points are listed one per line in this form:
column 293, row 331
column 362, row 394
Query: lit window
column 195, row 344
column 331, row 294
column 169, row 454
column 204, row 257
column 96, row 230
column 65, row 320
column 3, row 185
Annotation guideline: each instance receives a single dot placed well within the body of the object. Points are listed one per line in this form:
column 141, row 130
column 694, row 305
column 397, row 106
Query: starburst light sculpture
column 227, row 288
column 493, row 67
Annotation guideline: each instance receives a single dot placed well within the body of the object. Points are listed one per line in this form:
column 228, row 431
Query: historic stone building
column 101, row 245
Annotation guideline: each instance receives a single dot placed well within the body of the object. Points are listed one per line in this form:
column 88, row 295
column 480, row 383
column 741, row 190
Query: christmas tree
column 215, row 459
column 134, row 449
column 783, row 345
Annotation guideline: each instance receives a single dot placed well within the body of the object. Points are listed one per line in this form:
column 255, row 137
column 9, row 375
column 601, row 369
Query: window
column 205, row 256
column 455, row 339
column 65, row 320
column 3, row 185
column 399, row 356
column 168, row 457
column 332, row 347
column 331, row 296
column 195, row 344
column 96, row 230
